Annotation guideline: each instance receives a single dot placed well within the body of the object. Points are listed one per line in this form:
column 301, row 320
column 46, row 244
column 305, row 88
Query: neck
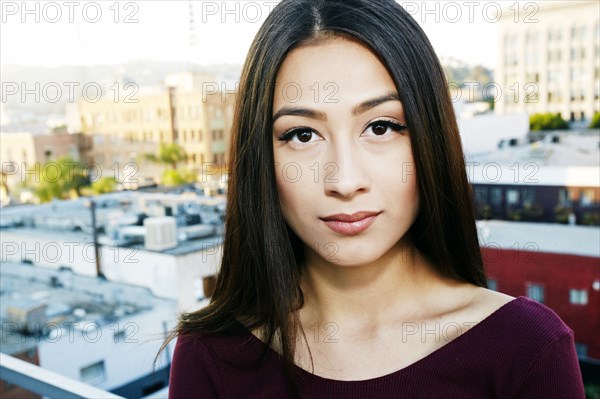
column 395, row 285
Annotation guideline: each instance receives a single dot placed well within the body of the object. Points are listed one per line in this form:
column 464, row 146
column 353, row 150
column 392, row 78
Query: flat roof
column 540, row 237
column 70, row 298
column 71, row 220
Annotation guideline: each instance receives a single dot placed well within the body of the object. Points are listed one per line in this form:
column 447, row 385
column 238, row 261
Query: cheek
column 286, row 190
column 297, row 194
column 400, row 181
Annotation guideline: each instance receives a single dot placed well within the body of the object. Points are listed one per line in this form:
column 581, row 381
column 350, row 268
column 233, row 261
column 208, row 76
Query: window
column 496, row 196
column 581, row 349
column 578, row 297
column 93, row 374
column 492, row 284
column 563, row 196
column 587, row 197
column 536, row 292
column 528, row 196
column 512, row 197
column 481, row 195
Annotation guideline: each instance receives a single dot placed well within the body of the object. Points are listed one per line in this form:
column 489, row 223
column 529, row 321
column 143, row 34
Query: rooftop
column 570, row 150
column 540, row 237
column 119, row 219
column 555, row 159
column 63, row 297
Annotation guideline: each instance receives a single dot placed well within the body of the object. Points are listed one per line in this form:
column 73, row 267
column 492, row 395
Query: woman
column 351, row 266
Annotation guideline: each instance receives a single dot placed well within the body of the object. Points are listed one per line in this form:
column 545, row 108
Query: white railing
column 47, row 383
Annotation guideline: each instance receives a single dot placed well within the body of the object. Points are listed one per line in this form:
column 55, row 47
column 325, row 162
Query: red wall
column 558, row 273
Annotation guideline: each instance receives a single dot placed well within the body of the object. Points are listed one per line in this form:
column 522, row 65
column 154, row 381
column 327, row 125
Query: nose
column 346, row 173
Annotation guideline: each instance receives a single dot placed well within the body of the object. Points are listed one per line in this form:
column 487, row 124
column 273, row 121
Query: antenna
column 193, row 40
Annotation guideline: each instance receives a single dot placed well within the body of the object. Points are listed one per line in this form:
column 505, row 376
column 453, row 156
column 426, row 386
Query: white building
column 99, row 332
column 549, row 59
column 59, row 236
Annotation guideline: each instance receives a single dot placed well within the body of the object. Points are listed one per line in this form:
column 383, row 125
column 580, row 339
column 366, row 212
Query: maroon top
column 522, row 350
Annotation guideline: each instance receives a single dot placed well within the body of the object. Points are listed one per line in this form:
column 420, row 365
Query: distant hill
column 142, row 72
column 460, row 72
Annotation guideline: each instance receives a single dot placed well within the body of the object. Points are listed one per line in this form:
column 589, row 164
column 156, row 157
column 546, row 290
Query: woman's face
column 349, row 152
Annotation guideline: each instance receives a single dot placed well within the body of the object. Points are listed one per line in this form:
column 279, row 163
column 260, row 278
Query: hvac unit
column 161, row 233
column 30, row 316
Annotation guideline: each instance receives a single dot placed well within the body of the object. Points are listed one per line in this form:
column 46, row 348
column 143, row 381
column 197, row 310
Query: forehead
column 337, row 70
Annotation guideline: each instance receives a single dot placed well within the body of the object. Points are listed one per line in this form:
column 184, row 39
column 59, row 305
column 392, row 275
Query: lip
column 350, row 224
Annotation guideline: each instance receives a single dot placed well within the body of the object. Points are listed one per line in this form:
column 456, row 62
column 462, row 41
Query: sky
column 53, row 33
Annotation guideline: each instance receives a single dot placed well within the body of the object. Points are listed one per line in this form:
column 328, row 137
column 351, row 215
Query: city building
column 549, row 59
column 99, row 332
column 170, row 244
column 557, row 265
column 193, row 110
column 23, row 153
column 554, row 179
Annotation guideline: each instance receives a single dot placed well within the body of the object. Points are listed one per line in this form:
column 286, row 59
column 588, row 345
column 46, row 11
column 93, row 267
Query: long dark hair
column 258, row 280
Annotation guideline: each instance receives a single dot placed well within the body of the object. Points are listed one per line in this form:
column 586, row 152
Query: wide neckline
column 470, row 333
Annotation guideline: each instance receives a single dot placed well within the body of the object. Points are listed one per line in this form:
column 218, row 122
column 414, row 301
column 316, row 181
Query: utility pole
column 92, row 205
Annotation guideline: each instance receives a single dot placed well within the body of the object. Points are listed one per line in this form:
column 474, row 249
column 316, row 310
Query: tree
column 595, row 121
column 170, row 154
column 547, row 121
column 3, row 184
column 104, row 185
column 62, row 178
column 177, row 177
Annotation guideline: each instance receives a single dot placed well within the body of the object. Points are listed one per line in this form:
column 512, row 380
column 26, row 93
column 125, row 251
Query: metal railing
column 47, row 383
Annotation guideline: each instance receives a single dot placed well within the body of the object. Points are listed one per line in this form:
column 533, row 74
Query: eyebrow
column 359, row 109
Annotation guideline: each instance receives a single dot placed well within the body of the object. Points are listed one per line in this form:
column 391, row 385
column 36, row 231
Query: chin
column 349, row 259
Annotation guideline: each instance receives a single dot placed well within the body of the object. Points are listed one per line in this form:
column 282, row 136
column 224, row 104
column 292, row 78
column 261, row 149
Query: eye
column 303, row 133
column 380, row 127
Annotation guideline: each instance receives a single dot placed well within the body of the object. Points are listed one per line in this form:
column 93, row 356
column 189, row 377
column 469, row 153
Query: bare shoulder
column 492, row 298
column 484, row 302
